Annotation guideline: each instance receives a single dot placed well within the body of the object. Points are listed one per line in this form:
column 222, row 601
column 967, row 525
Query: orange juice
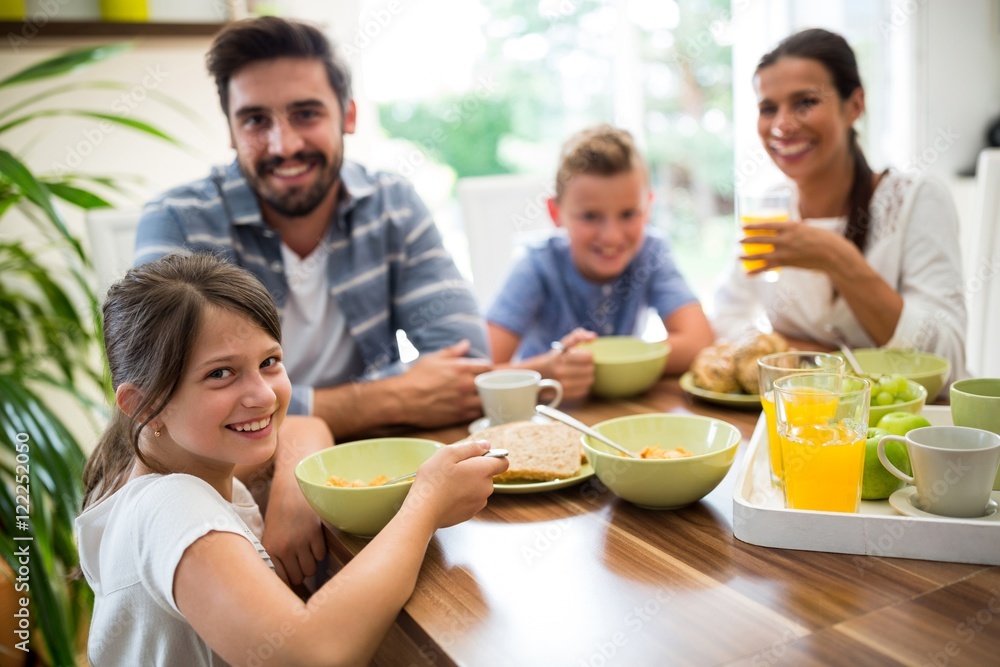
column 757, row 248
column 807, row 406
column 823, row 466
column 773, row 443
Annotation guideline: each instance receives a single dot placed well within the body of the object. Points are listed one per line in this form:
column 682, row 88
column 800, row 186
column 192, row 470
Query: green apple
column 877, row 483
column 901, row 423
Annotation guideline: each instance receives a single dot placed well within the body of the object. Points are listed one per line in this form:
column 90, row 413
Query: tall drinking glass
column 754, row 207
column 822, row 423
column 778, row 365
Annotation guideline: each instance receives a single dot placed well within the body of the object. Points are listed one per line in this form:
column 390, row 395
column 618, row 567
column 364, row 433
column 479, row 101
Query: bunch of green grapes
column 890, row 390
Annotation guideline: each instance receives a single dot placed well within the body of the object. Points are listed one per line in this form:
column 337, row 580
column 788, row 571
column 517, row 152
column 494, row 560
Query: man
column 349, row 256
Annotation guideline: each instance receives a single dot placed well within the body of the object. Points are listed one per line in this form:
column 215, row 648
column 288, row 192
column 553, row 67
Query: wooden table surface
column 578, row 577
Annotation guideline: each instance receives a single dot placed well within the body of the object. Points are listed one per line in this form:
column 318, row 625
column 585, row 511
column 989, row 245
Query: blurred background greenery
column 542, row 70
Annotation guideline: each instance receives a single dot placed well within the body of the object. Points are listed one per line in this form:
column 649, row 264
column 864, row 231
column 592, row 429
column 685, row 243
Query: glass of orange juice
column 754, row 207
column 773, row 366
column 822, row 422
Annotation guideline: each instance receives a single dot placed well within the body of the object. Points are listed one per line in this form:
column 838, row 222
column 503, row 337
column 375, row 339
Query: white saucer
column 484, row 422
column 903, row 502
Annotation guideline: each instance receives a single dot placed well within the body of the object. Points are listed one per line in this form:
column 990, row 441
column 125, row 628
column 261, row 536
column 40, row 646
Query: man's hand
column 439, row 388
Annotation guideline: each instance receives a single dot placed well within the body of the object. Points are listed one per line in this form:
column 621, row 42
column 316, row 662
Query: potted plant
column 48, row 340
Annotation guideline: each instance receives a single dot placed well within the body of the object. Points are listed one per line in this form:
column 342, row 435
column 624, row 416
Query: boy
column 598, row 278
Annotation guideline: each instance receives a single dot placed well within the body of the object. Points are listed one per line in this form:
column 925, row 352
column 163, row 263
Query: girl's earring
column 156, row 432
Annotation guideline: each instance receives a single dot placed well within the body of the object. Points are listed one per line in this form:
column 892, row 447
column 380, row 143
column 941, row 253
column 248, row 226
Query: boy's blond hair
column 601, row 150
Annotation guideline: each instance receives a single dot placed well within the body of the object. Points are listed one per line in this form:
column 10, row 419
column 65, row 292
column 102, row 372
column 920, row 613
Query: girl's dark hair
column 832, row 52
column 266, row 38
column 151, row 319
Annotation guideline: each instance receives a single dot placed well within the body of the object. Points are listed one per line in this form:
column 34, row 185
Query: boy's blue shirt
column 545, row 297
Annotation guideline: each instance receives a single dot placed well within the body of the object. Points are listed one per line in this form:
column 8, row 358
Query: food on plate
column 715, row 370
column 656, row 452
column 729, row 368
column 537, row 452
column 356, row 484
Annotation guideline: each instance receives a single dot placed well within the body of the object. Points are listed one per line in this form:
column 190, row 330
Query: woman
column 875, row 260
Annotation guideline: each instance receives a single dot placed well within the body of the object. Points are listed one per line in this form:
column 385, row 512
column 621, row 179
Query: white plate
column 903, row 502
column 586, row 472
column 484, row 423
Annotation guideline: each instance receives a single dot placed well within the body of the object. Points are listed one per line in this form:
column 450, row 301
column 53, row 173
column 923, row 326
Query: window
column 497, row 86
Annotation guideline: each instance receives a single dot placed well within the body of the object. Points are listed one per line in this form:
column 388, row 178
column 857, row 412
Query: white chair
column 500, row 213
column 983, row 273
column 112, row 244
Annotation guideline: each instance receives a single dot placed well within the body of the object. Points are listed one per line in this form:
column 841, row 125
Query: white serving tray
column 760, row 517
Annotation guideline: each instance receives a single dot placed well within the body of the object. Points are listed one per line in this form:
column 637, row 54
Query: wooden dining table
column 581, row 578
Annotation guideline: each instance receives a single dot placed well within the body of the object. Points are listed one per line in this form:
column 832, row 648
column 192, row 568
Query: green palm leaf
column 64, row 63
column 14, row 171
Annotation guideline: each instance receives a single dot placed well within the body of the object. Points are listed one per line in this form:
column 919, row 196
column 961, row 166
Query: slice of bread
column 537, row 452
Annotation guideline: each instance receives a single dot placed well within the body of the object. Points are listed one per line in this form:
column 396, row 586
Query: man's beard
column 294, row 203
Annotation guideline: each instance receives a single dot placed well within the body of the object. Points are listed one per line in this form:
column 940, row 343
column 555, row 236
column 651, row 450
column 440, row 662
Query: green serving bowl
column 663, row 483
column 876, row 412
column 362, row 511
column 626, row 365
column 925, row 368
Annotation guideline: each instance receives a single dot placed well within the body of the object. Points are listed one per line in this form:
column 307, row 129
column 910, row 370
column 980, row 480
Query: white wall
column 956, row 49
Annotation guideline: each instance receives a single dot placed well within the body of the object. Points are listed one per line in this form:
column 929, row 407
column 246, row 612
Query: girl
column 875, row 259
column 169, row 541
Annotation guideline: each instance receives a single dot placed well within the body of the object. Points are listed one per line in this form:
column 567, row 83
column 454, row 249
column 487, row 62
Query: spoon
column 851, row 359
column 561, row 416
column 494, row 453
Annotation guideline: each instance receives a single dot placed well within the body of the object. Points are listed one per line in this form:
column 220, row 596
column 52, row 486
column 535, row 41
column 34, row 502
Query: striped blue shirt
column 388, row 268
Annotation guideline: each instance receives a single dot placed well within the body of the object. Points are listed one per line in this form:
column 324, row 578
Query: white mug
column 510, row 395
column 953, row 468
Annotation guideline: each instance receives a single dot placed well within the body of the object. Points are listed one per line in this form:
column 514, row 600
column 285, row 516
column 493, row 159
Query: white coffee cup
column 953, row 468
column 510, row 395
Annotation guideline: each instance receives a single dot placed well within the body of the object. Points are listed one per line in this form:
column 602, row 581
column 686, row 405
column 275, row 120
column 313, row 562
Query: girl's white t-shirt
column 130, row 545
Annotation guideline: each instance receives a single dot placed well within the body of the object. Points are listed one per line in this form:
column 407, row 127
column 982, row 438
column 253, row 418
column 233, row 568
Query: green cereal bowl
column 925, row 368
column 663, row 483
column 361, row 511
column 876, row 412
column 625, row 365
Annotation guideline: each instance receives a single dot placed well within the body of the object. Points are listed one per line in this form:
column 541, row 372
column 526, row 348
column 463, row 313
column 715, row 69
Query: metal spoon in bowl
column 561, row 416
column 846, row 351
column 494, row 453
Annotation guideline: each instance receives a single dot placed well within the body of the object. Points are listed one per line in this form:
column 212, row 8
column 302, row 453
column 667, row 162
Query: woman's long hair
column 833, row 53
column 151, row 319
